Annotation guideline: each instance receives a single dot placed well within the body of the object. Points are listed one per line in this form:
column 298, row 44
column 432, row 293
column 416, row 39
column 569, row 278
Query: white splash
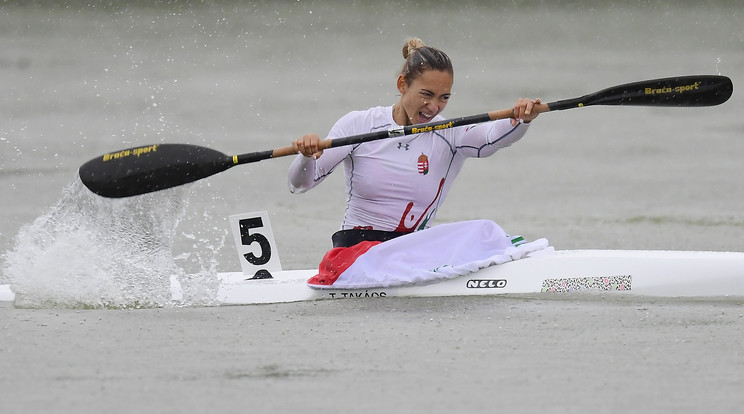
column 93, row 252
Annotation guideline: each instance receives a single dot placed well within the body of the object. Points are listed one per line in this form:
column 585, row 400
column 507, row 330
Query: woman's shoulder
column 375, row 111
column 362, row 121
column 370, row 118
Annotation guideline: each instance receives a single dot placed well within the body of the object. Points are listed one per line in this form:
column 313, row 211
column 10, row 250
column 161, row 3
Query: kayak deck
column 639, row 272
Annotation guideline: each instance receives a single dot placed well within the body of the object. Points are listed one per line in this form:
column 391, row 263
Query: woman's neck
column 399, row 115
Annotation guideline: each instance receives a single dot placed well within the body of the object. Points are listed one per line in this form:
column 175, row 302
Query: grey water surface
column 83, row 78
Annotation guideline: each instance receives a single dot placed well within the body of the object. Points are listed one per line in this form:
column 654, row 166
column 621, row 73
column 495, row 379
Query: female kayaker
column 395, row 186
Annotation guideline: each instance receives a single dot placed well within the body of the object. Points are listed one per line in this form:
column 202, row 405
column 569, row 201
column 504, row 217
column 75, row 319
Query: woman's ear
column 402, row 85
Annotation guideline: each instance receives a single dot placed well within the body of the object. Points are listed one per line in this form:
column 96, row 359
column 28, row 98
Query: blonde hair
column 411, row 45
column 420, row 58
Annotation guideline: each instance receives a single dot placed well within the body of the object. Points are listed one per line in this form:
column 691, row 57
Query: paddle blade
column 701, row 90
column 141, row 170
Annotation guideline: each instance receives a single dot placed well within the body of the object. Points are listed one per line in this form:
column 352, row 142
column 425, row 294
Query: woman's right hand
column 308, row 145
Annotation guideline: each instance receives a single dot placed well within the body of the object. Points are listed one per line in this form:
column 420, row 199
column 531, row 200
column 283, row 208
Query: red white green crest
column 423, row 164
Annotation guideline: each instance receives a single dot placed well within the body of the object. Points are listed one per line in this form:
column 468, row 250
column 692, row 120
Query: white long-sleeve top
column 398, row 184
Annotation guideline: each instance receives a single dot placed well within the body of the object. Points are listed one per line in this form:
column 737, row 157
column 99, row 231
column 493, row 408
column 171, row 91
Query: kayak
column 634, row 272
column 638, row 272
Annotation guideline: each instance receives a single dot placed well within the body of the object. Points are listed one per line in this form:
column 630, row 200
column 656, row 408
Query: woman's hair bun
column 411, row 45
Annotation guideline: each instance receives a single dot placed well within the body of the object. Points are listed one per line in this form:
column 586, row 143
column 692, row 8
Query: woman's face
column 425, row 97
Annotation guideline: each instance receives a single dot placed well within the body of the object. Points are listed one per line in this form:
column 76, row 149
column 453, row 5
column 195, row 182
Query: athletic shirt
column 398, row 184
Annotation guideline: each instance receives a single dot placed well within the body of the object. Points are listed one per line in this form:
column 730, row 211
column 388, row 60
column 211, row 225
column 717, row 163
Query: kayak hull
column 631, row 272
column 637, row 272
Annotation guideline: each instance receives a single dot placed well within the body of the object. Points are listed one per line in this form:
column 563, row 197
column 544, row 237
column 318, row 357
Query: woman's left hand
column 524, row 110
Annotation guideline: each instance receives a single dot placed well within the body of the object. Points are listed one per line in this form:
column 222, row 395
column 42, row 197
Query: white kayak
column 637, row 272
column 652, row 273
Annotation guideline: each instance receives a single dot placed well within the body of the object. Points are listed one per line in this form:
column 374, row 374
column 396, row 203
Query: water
column 84, row 78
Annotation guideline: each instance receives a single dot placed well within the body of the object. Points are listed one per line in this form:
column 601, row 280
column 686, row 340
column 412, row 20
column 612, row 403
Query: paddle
column 145, row 169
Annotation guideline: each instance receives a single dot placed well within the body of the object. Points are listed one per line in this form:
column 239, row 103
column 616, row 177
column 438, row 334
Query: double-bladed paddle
column 149, row 168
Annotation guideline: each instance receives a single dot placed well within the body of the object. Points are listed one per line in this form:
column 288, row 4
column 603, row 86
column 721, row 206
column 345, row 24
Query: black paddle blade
column 141, row 170
column 701, row 90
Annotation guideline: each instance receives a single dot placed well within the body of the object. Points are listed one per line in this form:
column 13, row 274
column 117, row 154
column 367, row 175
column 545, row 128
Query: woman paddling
column 395, row 186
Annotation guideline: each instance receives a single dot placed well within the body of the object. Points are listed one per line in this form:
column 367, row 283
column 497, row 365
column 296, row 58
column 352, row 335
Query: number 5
column 247, row 239
column 252, row 231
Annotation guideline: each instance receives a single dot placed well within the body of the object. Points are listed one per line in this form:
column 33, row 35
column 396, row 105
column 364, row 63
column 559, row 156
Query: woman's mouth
column 425, row 117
